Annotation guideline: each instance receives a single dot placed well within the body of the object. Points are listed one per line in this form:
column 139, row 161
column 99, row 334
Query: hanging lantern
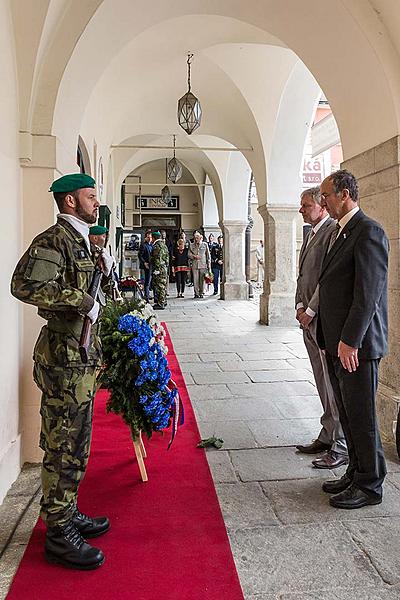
column 165, row 195
column 174, row 168
column 166, row 192
column 189, row 109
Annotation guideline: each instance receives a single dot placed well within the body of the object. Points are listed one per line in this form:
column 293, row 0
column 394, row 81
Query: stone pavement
column 252, row 386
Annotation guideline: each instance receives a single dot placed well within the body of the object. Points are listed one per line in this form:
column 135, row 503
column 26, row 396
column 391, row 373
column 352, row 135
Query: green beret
column 70, row 183
column 97, row 230
column 156, row 235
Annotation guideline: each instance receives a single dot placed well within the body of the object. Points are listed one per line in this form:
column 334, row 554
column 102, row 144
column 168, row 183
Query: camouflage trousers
column 66, row 410
column 159, row 284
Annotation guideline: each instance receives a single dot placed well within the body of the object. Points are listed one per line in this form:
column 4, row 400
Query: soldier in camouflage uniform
column 159, row 267
column 54, row 274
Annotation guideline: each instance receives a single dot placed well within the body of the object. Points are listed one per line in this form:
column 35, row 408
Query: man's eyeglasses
column 325, row 196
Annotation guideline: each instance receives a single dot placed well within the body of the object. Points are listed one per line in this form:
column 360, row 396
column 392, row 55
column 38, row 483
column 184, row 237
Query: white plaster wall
column 210, row 209
column 10, row 235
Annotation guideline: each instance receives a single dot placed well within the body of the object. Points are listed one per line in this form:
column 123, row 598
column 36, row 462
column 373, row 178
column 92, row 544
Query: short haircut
column 344, row 180
column 59, row 198
column 314, row 192
column 220, row 237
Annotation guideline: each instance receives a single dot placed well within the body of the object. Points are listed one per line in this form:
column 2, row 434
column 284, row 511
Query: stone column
column 378, row 173
column 277, row 299
column 234, row 286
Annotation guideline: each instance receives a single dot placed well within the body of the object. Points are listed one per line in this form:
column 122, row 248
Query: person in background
column 260, row 263
column 98, row 235
column 170, row 247
column 145, row 250
column 217, row 261
column 159, row 268
column 189, row 277
column 180, row 266
column 199, row 253
column 211, row 243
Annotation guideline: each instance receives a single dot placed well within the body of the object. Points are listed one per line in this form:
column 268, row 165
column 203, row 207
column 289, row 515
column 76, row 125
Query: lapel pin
column 344, row 236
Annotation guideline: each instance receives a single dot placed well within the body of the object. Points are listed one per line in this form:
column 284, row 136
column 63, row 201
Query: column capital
column 234, row 223
column 277, row 211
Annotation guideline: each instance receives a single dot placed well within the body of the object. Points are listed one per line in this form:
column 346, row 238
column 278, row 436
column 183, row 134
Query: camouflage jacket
column 160, row 258
column 54, row 274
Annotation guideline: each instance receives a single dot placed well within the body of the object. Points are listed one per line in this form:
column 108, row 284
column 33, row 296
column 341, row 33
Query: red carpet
column 167, row 539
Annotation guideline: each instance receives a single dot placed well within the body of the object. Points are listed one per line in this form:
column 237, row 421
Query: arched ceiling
column 344, row 43
column 113, row 69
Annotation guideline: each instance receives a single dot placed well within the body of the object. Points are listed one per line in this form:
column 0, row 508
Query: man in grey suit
column 312, row 253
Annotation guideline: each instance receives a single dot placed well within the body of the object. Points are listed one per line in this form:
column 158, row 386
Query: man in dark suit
column 352, row 329
column 313, row 250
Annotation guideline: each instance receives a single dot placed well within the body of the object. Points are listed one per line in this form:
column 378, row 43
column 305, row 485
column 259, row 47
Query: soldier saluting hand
column 54, row 274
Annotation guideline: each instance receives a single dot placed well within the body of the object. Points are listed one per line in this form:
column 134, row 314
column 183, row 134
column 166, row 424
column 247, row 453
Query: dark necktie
column 334, row 236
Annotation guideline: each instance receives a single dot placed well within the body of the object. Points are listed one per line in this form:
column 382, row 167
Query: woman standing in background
column 180, row 266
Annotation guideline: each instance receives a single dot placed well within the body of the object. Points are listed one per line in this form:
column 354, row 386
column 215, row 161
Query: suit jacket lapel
column 341, row 240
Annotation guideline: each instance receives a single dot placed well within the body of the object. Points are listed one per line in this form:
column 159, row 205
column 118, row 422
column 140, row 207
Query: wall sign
column 156, row 203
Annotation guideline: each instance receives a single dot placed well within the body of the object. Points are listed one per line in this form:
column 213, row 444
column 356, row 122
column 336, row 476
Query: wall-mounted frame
column 156, row 203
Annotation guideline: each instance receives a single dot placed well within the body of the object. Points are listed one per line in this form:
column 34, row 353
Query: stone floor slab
column 303, row 501
column 265, row 354
column 219, row 357
column 299, row 407
column 270, row 464
column 380, row 540
column 200, row 367
column 255, row 365
column 213, row 377
column 221, row 466
column 236, row 434
column 188, row 358
column 235, row 409
column 280, row 390
column 300, row 363
column 281, row 375
column 10, row 512
column 8, row 565
column 245, row 505
column 289, row 559
column 209, row 392
column 27, row 482
column 299, row 350
column 284, row 432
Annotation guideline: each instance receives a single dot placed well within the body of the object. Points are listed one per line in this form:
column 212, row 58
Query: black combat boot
column 65, row 546
column 90, row 527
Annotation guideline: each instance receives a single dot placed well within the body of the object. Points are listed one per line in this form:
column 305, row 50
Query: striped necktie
column 310, row 237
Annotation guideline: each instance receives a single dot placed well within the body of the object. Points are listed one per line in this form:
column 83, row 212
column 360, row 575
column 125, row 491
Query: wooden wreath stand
column 140, row 452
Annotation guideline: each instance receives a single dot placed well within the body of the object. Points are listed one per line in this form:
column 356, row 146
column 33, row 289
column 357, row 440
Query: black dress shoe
column 353, row 497
column 335, row 486
column 330, row 460
column 65, row 546
column 314, row 448
column 90, row 527
column 158, row 307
